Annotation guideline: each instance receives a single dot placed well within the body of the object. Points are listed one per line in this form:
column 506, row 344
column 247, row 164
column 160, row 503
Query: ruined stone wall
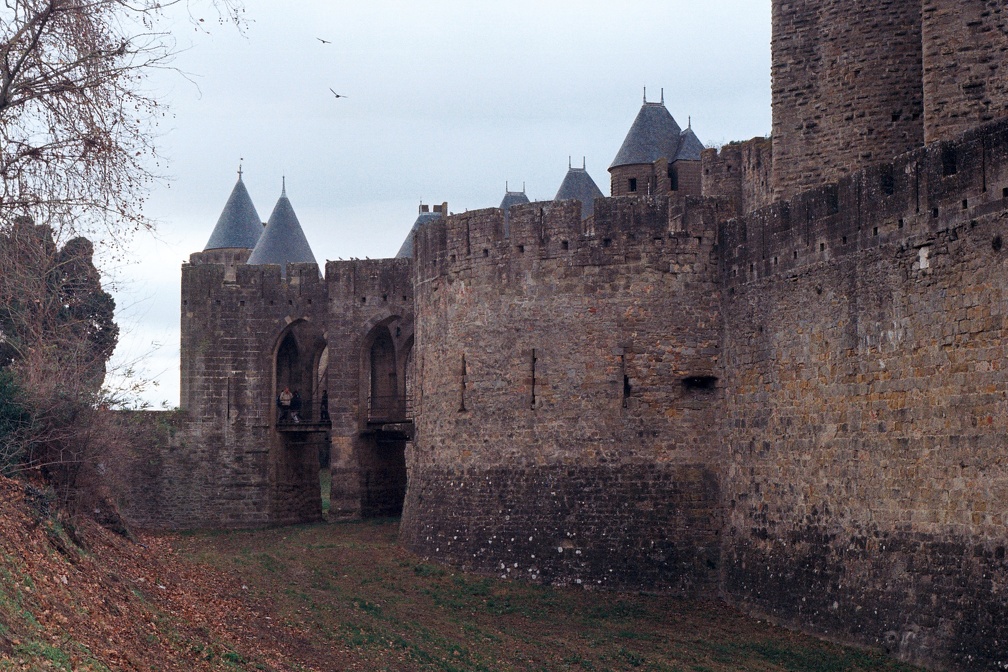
column 365, row 296
column 965, row 74
column 567, row 395
column 224, row 465
column 867, row 406
column 846, row 88
column 741, row 173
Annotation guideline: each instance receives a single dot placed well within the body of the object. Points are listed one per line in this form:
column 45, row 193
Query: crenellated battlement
column 205, row 270
column 648, row 229
column 922, row 192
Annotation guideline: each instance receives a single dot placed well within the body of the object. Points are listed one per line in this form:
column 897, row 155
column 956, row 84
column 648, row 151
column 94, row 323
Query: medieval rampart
column 866, row 403
column 222, row 465
column 568, row 385
column 370, row 324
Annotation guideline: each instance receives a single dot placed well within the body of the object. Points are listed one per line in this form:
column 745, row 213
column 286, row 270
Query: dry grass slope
column 337, row 597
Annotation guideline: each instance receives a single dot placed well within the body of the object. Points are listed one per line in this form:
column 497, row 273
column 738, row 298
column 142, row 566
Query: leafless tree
column 76, row 142
column 77, row 157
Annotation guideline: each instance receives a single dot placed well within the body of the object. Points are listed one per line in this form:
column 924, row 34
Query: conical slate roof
column 579, row 186
column 406, row 251
column 689, row 146
column 282, row 242
column 654, row 135
column 513, row 198
column 239, row 224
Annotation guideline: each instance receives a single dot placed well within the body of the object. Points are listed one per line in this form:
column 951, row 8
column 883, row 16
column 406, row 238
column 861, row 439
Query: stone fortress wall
column 964, row 68
column 567, row 378
column 866, row 402
column 789, row 393
column 846, row 87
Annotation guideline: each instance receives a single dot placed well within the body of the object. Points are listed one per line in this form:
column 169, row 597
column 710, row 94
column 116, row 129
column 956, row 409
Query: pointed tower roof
column 283, row 241
column 239, row 224
column 579, row 186
column 689, row 146
column 513, row 198
column 425, row 217
column 654, row 135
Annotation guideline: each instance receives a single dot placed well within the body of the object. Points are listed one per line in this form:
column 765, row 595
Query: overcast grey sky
column 445, row 101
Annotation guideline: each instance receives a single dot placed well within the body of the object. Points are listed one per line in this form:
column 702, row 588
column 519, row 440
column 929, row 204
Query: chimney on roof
column 424, row 208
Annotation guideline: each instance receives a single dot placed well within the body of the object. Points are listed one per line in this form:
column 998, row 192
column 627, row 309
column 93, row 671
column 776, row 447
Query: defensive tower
column 846, row 88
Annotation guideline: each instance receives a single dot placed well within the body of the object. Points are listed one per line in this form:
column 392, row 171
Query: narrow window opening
column 521, row 249
column 606, row 242
column 632, row 184
column 934, row 212
column 796, row 254
column 874, row 231
column 673, row 175
column 564, row 245
column 626, row 380
column 822, row 247
column 384, row 297
column 452, row 258
column 486, row 252
column 845, row 240
column 241, row 303
column 996, row 243
column 965, row 203
column 363, row 299
column 900, row 224
column 700, row 383
column 462, row 386
column 1004, row 192
column 532, row 396
column 290, row 302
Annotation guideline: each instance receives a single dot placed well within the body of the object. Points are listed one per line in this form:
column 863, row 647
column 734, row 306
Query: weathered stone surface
column 846, row 88
column 866, row 401
column 561, row 361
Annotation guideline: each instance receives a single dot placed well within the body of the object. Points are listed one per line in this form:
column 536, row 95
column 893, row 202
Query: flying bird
column 336, row 94
column 323, row 41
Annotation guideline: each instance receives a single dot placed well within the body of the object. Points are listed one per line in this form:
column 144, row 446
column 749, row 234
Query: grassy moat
column 358, row 601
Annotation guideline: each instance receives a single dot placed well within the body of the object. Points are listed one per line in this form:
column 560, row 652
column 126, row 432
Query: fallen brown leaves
column 120, row 605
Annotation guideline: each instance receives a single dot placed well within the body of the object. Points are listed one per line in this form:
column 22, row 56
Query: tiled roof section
column 579, row 186
column 513, row 198
column 689, row 147
column 239, row 224
column 406, row 251
column 282, row 242
column 654, row 135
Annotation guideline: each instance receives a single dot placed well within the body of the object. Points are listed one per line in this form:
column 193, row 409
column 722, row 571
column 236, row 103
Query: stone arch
column 297, row 354
column 383, row 418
